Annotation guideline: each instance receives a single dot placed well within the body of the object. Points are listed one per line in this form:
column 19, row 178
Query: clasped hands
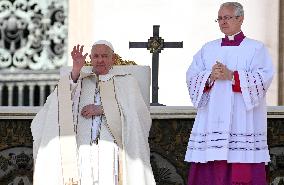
column 220, row 72
column 92, row 110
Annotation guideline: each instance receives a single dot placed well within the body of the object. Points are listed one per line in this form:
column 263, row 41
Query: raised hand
column 78, row 61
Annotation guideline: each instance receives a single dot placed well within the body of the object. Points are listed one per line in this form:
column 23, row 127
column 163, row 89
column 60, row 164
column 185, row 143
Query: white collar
column 114, row 71
column 105, row 77
column 231, row 37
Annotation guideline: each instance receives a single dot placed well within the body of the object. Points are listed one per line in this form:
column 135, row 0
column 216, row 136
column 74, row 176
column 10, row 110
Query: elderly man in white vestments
column 227, row 82
column 101, row 136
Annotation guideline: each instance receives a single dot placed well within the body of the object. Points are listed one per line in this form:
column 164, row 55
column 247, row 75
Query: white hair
column 104, row 42
column 239, row 10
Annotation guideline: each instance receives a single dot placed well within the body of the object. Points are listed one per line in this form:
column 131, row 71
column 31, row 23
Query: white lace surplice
column 230, row 126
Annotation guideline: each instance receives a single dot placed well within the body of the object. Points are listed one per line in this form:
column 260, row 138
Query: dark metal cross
column 155, row 44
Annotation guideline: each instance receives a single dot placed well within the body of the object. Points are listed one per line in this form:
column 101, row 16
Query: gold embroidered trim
column 117, row 61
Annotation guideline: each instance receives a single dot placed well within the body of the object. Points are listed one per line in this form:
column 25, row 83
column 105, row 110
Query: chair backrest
column 141, row 73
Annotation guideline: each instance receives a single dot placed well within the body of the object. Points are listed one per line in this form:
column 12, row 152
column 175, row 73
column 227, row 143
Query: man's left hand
column 225, row 73
column 91, row 110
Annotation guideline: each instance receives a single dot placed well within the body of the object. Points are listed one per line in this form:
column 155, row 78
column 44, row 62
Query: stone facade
column 33, row 46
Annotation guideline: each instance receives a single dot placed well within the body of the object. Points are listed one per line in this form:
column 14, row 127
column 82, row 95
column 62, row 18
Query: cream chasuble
column 124, row 130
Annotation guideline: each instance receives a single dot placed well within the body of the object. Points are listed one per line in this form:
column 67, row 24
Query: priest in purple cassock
column 227, row 82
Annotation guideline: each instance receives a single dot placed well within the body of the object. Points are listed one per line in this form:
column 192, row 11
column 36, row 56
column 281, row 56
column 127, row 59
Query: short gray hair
column 239, row 10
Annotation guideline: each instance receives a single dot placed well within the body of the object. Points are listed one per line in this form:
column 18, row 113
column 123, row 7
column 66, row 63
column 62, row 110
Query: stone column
column 281, row 55
column 41, row 94
column 1, row 89
column 10, row 94
column 31, row 94
column 51, row 87
column 20, row 93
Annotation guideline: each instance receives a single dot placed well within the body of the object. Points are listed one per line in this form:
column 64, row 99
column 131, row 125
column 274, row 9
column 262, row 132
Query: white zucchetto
column 107, row 43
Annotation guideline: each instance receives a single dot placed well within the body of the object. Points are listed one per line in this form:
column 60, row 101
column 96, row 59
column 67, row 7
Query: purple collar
column 236, row 42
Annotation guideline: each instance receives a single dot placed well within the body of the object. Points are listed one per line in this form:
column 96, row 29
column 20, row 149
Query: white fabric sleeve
column 196, row 77
column 74, row 88
column 257, row 78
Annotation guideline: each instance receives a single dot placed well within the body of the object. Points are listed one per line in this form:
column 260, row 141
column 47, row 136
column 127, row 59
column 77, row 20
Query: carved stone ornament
column 33, row 34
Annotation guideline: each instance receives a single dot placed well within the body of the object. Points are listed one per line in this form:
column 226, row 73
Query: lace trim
column 204, row 99
column 231, row 134
column 215, row 140
column 231, row 141
column 256, row 90
column 230, row 148
column 195, row 90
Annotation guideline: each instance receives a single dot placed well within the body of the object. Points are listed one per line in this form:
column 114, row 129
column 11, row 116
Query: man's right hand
column 216, row 72
column 220, row 72
column 78, row 61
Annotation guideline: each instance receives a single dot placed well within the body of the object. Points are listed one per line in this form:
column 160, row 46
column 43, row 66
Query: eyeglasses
column 225, row 18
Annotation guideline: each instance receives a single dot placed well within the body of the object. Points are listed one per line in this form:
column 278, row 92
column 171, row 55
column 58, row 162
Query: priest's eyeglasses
column 225, row 18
